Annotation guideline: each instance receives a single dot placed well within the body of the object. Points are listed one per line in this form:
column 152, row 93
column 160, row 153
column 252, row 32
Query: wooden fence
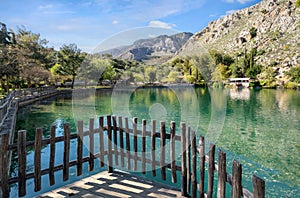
column 123, row 151
column 5, row 104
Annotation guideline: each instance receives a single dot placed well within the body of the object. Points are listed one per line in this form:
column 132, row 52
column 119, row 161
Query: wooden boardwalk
column 116, row 184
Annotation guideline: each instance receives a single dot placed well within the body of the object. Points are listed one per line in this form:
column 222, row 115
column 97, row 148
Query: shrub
column 297, row 3
column 291, row 85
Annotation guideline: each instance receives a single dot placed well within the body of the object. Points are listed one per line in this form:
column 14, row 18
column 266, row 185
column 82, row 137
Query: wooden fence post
column 144, row 146
column 37, row 159
column 79, row 147
column 22, row 162
column 101, row 140
column 121, row 140
column 188, row 153
column 211, row 170
column 66, row 152
column 163, row 150
column 153, row 136
column 52, row 156
column 4, row 165
column 127, row 144
column 172, row 151
column 109, row 133
column 114, row 119
column 194, row 165
column 135, row 142
column 202, row 166
column 222, row 174
column 258, row 187
column 183, row 160
column 236, row 179
column 92, row 145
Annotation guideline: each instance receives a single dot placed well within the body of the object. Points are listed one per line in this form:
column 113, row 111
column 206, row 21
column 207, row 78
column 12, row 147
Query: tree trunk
column 73, row 80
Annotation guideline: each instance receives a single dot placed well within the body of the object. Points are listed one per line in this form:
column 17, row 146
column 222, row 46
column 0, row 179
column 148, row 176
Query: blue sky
column 88, row 23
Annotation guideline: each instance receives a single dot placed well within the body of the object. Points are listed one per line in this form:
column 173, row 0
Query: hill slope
column 271, row 26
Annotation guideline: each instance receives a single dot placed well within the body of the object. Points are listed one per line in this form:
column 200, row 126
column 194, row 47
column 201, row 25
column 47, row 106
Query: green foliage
column 291, row 85
column 253, row 32
column 151, row 74
column 297, row 4
column 294, row 74
column 267, row 78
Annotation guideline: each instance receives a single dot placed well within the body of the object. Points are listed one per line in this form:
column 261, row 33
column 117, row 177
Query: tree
column 151, row 74
column 297, row 4
column 69, row 60
column 294, row 74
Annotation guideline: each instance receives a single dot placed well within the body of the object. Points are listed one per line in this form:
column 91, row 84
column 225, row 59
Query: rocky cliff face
column 153, row 50
column 271, row 26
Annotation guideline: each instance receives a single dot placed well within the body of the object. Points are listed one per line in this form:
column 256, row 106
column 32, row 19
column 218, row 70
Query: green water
column 261, row 129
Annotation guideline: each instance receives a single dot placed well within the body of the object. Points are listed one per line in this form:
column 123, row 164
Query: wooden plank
column 135, row 143
column 188, row 153
column 115, row 140
column 183, row 160
column 202, row 166
column 172, row 151
column 222, row 175
column 163, row 150
column 143, row 146
column 22, row 162
column 127, row 144
column 211, row 171
column 194, row 165
column 236, row 179
column 258, row 187
column 52, row 156
column 37, row 159
column 79, row 147
column 66, row 157
column 153, row 136
column 101, row 140
column 109, row 145
column 121, row 140
column 92, row 144
column 4, row 165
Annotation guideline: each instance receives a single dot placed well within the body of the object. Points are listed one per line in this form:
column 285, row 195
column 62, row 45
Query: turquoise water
column 259, row 128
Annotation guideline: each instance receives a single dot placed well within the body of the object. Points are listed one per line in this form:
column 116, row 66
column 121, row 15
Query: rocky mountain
column 271, row 26
column 153, row 50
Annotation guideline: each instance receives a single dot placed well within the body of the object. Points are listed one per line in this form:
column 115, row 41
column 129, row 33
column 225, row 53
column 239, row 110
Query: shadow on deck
column 116, row 184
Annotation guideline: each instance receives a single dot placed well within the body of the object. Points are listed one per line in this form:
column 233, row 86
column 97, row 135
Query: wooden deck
column 116, row 184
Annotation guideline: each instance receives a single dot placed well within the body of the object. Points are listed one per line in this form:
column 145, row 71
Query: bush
column 297, row 3
column 291, row 85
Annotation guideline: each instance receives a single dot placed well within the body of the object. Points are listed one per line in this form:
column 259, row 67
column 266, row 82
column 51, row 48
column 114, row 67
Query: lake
column 259, row 128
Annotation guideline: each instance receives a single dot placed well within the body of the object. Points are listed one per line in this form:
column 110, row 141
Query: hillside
column 151, row 51
column 271, row 26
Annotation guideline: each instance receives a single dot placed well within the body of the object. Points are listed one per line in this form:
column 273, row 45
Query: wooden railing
column 122, row 150
column 5, row 104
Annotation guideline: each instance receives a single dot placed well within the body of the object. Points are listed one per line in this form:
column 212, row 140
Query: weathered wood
column 236, row 179
column 121, row 140
column 163, row 150
column 172, row 151
column 4, row 165
column 135, row 143
column 37, row 159
column 101, row 140
column 22, row 162
column 66, row 157
column 183, row 160
column 194, row 165
column 115, row 140
column 92, row 144
column 222, row 174
column 211, row 171
column 79, row 147
column 202, row 166
column 127, row 144
column 153, row 136
column 52, row 156
column 188, row 153
column 258, row 187
column 109, row 144
column 144, row 146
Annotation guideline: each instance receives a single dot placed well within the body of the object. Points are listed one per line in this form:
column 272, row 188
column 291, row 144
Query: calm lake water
column 261, row 129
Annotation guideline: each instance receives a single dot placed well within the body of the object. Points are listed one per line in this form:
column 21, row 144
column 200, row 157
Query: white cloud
column 240, row 1
column 43, row 7
column 160, row 24
column 229, row 1
column 212, row 15
column 229, row 12
column 114, row 22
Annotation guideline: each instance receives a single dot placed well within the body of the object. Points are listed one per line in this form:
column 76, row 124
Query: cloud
column 229, row 12
column 160, row 24
column 229, row 1
column 212, row 15
column 43, row 7
column 114, row 22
